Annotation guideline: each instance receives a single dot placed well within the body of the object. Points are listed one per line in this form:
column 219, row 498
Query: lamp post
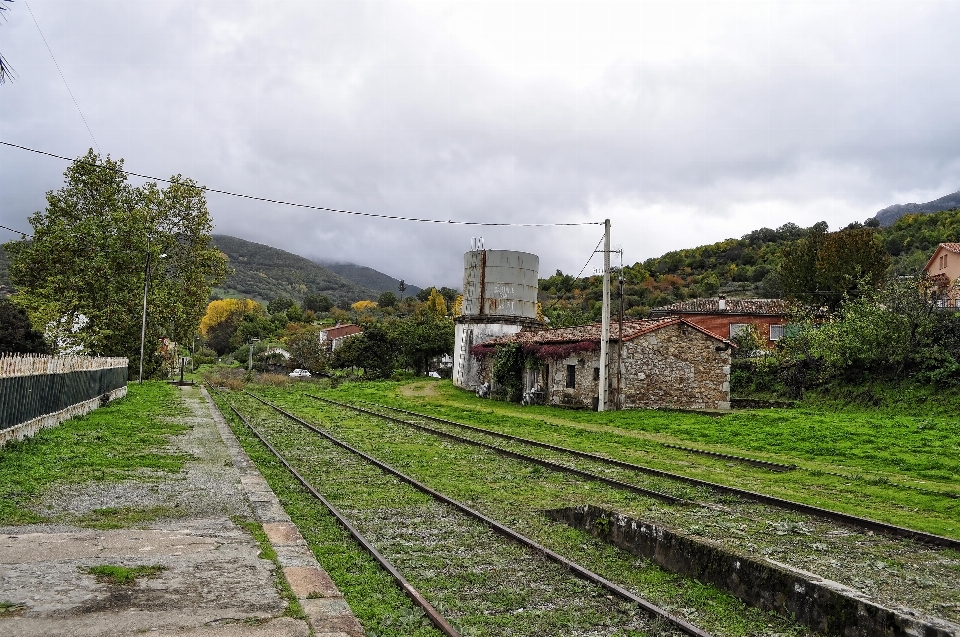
column 143, row 325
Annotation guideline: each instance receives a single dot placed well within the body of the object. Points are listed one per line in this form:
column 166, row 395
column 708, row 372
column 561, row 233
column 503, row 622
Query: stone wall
column 676, row 366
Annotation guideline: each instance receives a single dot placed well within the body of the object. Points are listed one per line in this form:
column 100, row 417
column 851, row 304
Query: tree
column 436, row 303
column 375, row 350
column 306, row 352
column 317, row 303
column 222, row 320
column 423, row 336
column 6, row 71
column 402, row 287
column 87, row 262
column 280, row 305
column 387, row 299
column 823, row 268
column 363, row 306
column 16, row 333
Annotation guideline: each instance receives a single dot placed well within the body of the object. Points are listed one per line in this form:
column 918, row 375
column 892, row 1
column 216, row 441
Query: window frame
column 782, row 331
column 571, row 377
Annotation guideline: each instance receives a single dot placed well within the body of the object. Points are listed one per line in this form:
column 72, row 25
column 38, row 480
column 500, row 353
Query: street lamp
column 143, row 326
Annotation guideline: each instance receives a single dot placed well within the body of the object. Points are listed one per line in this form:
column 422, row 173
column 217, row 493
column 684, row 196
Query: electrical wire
column 312, row 207
column 50, row 51
column 26, row 234
column 592, row 253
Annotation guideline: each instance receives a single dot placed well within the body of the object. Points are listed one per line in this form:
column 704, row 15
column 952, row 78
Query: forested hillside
column 744, row 267
column 264, row 273
column 369, row 278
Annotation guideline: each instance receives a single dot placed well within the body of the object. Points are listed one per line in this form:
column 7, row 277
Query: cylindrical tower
column 499, row 298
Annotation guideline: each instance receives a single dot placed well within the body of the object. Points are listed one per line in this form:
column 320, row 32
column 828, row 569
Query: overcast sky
column 683, row 122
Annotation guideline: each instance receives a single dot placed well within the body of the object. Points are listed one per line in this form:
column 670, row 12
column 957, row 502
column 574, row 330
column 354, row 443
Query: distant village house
column 943, row 268
column 333, row 337
column 728, row 316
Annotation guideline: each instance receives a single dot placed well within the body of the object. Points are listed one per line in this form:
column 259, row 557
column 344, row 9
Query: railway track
column 609, row 588
column 814, row 511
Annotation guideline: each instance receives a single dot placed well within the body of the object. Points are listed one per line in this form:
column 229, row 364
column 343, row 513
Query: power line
column 312, row 207
column 26, row 234
column 50, row 51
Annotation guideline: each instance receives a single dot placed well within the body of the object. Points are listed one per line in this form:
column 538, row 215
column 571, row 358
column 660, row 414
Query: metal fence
column 32, row 387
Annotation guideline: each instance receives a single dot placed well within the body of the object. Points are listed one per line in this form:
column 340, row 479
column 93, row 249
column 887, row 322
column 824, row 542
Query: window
column 736, row 327
column 596, row 373
column 776, row 332
column 571, row 376
column 945, row 256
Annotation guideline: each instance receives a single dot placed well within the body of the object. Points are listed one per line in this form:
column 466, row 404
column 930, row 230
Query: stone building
column 661, row 363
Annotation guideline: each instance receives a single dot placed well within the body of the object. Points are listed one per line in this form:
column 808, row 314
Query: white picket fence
column 33, row 364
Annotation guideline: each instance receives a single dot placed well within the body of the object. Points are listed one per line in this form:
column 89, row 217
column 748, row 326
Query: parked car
column 433, row 375
column 300, row 373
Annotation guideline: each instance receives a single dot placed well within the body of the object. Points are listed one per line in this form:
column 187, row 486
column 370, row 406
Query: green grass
column 123, row 575
column 122, row 517
column 880, row 463
column 109, row 444
column 293, row 609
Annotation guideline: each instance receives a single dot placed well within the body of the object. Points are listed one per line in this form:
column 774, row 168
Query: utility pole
column 605, row 326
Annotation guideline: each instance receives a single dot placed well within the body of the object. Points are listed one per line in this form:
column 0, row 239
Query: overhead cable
column 312, row 207
column 50, row 51
column 26, row 234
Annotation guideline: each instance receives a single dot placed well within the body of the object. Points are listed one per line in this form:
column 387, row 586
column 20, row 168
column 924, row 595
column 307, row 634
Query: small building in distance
column 669, row 362
column 333, row 337
column 725, row 317
column 943, row 268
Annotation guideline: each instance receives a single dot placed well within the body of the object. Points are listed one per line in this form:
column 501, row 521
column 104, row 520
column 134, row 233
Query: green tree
column 279, row 305
column 422, row 337
column 317, row 303
column 375, row 350
column 387, row 299
column 16, row 333
column 823, row 268
column 305, row 349
column 86, row 264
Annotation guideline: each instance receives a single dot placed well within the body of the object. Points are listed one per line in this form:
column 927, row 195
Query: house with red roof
column 333, row 337
column 943, row 268
column 727, row 316
column 670, row 362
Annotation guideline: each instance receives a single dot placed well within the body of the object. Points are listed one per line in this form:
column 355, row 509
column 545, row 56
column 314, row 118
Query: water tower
column 499, row 298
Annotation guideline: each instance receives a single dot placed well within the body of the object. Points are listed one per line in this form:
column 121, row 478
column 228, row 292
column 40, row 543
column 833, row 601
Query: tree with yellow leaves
column 223, row 317
column 437, row 304
column 364, row 306
column 457, row 309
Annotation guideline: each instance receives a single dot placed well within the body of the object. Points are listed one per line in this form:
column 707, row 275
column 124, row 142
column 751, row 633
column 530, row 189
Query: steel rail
column 836, row 516
column 415, row 596
column 520, row 456
column 573, row 567
column 763, row 464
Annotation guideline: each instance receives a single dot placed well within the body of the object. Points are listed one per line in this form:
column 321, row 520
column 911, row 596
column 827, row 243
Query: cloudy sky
column 683, row 122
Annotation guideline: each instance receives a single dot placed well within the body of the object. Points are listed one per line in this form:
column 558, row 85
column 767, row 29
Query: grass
column 122, row 575
column 875, row 462
column 113, row 443
column 122, row 517
column 267, row 552
column 511, row 492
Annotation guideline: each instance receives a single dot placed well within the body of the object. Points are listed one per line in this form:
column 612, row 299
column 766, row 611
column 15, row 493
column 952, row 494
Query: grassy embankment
column 896, row 463
column 113, row 443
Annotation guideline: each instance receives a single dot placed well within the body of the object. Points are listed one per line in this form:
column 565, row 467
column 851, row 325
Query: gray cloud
column 684, row 123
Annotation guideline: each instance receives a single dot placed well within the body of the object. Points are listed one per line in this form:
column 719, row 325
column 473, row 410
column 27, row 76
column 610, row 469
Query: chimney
column 723, row 303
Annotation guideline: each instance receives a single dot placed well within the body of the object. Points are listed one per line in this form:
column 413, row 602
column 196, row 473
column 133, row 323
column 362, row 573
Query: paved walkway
column 212, row 584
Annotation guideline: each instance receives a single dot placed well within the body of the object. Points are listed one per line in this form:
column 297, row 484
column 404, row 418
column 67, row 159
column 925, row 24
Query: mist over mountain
column 888, row 215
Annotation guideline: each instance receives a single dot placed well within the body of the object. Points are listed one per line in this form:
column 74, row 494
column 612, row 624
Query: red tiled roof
column 631, row 330
column 734, row 306
column 342, row 330
column 950, row 247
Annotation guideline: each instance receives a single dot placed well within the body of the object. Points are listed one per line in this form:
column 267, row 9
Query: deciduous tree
column 86, row 263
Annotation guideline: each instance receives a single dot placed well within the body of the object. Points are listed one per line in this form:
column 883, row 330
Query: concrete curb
column 327, row 611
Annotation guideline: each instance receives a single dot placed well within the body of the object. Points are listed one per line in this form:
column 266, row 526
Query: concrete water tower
column 499, row 298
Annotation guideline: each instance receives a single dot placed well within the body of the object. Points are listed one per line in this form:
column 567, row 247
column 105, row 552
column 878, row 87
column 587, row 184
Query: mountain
column 264, row 273
column 368, row 277
column 888, row 215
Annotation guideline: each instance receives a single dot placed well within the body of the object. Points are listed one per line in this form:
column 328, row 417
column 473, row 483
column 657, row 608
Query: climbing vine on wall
column 509, row 362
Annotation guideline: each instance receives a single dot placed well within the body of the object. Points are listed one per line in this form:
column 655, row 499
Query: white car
column 433, row 374
column 300, row 373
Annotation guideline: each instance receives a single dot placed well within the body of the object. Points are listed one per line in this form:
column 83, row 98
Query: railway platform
column 200, row 571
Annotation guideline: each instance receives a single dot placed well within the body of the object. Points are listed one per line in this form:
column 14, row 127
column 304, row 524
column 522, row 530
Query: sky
column 684, row 123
